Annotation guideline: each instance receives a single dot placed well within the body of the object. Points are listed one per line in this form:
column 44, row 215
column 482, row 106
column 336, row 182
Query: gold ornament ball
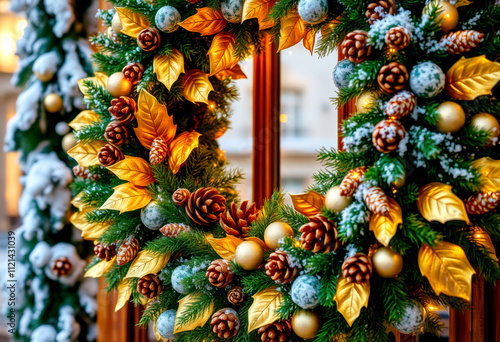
column 249, row 255
column 118, row 85
column 450, row 118
column 305, row 324
column 448, row 14
column 116, row 24
column 486, row 122
column 275, row 232
column 53, row 103
column 387, row 263
column 68, row 141
column 334, row 201
column 365, row 100
column 44, row 76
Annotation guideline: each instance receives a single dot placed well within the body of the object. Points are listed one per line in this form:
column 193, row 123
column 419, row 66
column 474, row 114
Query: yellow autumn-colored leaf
column 259, row 9
column 99, row 79
column 235, row 73
column 472, row 77
column 90, row 231
column 133, row 23
column 86, row 153
column 309, row 39
column 181, row 148
column 187, row 304
column 169, row 68
column 221, row 52
column 484, row 239
column 124, row 292
column 292, row 30
column 153, row 121
column 127, row 197
column 206, row 21
column 461, row 3
column 77, row 201
column 437, row 202
column 225, row 247
column 385, row 227
column 308, row 204
column 490, row 173
column 83, row 119
column 447, row 269
column 351, row 298
column 99, row 269
column 196, row 86
column 133, row 169
column 264, row 307
column 147, row 262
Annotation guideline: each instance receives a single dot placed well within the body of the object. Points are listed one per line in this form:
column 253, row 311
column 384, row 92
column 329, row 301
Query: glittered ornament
column 450, row 117
column 387, row 135
column 313, row 11
column 427, row 79
column 275, row 233
column 412, row 319
column 152, row 216
column 305, row 291
column 488, row 123
column 392, row 77
column 335, row 201
column 400, row 105
column 232, row 10
column 178, row 275
column 342, row 72
column 365, row 101
column 165, row 324
column 305, row 324
column 482, row 203
column 447, row 14
column 53, row 103
column 355, row 46
column 387, row 263
column 116, row 24
column 167, row 19
column 249, row 255
column 118, row 85
column 68, row 141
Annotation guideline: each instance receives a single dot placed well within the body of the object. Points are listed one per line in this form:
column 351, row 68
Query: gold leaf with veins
column 133, row 169
column 221, row 52
column 292, row 30
column 385, row 227
column 351, row 298
column 147, row 262
column 490, row 174
column 264, row 307
column 83, row 119
column 133, row 23
column 260, row 10
column 127, row 197
column 169, row 68
column 308, row 204
column 77, row 201
column 100, row 79
column 224, row 247
column 124, row 291
column 484, row 239
column 181, row 148
column 186, row 304
column 206, row 21
column 437, row 202
column 309, row 40
column 234, row 73
column 85, row 153
column 196, row 86
column 90, row 231
column 101, row 268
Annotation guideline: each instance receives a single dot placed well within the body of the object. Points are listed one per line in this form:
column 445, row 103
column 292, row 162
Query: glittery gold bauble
column 275, row 232
column 365, row 101
column 447, row 17
column 116, row 24
column 249, row 255
column 44, row 76
column 450, row 118
column 486, row 122
column 68, row 141
column 118, row 85
column 53, row 103
column 305, row 324
column 334, row 201
column 387, row 263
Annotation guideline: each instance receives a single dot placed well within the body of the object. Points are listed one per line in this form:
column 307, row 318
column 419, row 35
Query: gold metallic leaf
column 127, row 197
column 77, row 201
column 86, row 153
column 461, row 3
column 169, row 68
column 133, row 23
column 292, row 30
column 437, row 202
column 385, row 227
column 206, row 21
column 196, row 86
column 235, row 73
column 99, row 269
column 124, row 292
column 133, row 169
column 490, row 174
column 90, row 231
column 260, row 10
column 308, row 204
column 484, row 239
column 100, row 79
column 472, row 77
column 186, row 304
column 147, row 262
column 221, row 52
column 181, row 148
column 225, row 247
column 351, row 298
column 153, row 121
column 309, row 39
column 264, row 307
column 83, row 119
column 447, row 269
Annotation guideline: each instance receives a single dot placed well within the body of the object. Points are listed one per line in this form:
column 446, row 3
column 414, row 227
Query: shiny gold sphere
column 44, row 76
column 450, row 118
column 365, row 101
column 53, row 103
column 487, row 122
column 305, row 324
column 118, row 85
column 275, row 232
column 334, row 201
column 249, row 255
column 116, row 24
column 68, row 141
column 387, row 263
column 448, row 14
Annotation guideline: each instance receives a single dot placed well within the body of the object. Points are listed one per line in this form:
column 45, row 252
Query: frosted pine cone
column 401, row 104
column 127, row 251
column 220, row 273
column 355, row 46
column 279, row 268
column 133, row 72
column 462, row 41
column 181, row 197
column 276, row 332
column 357, row 269
column 398, row 38
column 225, row 323
column 237, row 221
column 109, row 155
column 123, row 109
column 379, row 10
column 482, row 203
column 205, row 206
column 376, row 200
column 319, row 235
column 105, row 252
column 149, row 286
column 393, row 77
column 174, row 229
column 81, row 171
column 158, row 151
column 352, row 180
column 116, row 133
column 61, row 267
column 149, row 39
column 236, row 295
column 387, row 135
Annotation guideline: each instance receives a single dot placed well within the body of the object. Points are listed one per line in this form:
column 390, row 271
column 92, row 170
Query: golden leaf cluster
column 234, row 73
column 308, row 204
column 351, row 298
column 437, row 202
column 186, row 304
column 263, row 309
column 293, row 30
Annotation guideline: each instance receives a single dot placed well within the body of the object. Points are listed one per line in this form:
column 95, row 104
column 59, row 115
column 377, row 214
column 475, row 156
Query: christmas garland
column 398, row 222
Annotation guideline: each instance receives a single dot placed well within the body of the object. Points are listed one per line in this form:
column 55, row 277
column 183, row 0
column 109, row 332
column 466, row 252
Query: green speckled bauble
column 152, row 217
column 167, row 19
column 178, row 275
column 412, row 320
column 165, row 324
column 232, row 10
column 343, row 70
column 427, row 80
column 305, row 291
column 313, row 11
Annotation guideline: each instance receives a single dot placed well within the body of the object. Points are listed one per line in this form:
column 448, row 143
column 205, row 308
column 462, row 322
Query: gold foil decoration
column 206, row 21
column 99, row 79
column 133, row 169
column 133, row 23
column 169, row 68
column 293, row 29
column 308, row 204
column 181, row 148
column 196, row 86
column 234, row 73
column 437, row 202
column 86, row 153
column 224, row 247
column 259, row 9
column 221, row 52
column 484, row 239
column 351, row 298
column 187, row 304
column 385, row 227
column 147, row 262
column 83, row 119
column 309, row 40
column 263, row 309
column 127, row 197
column 124, row 292
column 490, row 173
column 101, row 268
column 90, row 231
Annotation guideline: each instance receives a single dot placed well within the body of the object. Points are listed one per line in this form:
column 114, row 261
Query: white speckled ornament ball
column 342, row 72
column 427, row 79
column 412, row 320
column 165, row 324
column 305, row 291
column 178, row 275
column 313, row 11
column 152, row 217
column 232, row 10
column 167, row 19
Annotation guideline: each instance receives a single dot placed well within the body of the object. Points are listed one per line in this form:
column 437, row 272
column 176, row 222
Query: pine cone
column 355, row 46
column 377, row 201
column 149, row 286
column 123, row 109
column 401, row 104
column 392, row 77
column 116, row 133
column 181, row 197
column 205, row 206
column 482, row 202
column 460, row 42
column 379, row 10
column 81, row 171
column 236, row 295
column 105, row 252
column 276, row 332
column 319, row 235
column 127, row 251
column 237, row 221
column 225, row 323
column 133, row 72
column 174, row 229
column 279, row 268
column 61, row 267
column 109, row 155
column 398, row 38
column 357, row 269
column 352, row 180
column 158, row 151
column 387, row 135
column 220, row 273
column 149, row 39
